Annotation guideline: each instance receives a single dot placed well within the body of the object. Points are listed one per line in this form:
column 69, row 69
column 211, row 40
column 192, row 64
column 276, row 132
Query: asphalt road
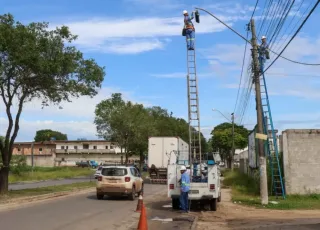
column 80, row 212
column 39, row 184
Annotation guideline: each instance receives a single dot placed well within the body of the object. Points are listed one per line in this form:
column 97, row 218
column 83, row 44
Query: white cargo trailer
column 164, row 151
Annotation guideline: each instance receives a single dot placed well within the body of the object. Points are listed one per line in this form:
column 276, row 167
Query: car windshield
column 114, row 172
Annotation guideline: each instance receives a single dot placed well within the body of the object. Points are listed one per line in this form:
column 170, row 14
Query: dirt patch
column 235, row 216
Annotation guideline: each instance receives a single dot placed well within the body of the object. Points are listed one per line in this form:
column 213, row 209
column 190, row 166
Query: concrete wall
column 71, row 159
column 301, row 159
column 38, row 149
column 41, row 161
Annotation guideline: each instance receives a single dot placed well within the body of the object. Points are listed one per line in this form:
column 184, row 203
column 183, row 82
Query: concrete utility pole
column 262, row 158
column 232, row 151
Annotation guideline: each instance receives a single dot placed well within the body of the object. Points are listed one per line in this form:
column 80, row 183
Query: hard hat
column 263, row 37
column 185, row 12
column 183, row 168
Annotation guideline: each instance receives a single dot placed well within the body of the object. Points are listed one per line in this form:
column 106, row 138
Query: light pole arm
column 222, row 115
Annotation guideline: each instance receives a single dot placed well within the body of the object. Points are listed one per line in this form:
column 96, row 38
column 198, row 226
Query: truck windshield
column 114, row 172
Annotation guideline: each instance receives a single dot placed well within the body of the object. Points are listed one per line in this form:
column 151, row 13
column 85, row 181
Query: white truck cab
column 207, row 191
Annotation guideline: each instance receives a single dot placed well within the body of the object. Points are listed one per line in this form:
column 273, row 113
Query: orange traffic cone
column 140, row 204
column 143, row 225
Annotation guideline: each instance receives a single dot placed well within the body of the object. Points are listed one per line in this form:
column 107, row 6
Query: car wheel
column 213, row 204
column 100, row 196
column 132, row 196
column 141, row 191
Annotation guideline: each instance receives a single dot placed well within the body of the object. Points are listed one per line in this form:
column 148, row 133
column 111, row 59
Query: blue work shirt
column 262, row 50
column 185, row 182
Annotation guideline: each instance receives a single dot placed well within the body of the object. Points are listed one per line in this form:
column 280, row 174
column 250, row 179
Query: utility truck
column 205, row 188
column 164, row 151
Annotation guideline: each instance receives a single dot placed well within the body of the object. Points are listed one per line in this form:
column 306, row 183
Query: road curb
column 58, row 179
column 31, row 200
column 194, row 224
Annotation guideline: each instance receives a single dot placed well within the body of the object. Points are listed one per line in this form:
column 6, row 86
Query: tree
column 127, row 123
column 222, row 139
column 38, row 63
column 47, row 134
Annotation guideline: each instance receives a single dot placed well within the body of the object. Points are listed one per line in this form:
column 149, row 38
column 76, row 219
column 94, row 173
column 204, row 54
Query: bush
column 18, row 164
column 241, row 182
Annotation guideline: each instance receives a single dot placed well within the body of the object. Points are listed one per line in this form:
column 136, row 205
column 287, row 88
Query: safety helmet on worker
column 185, row 12
column 183, row 168
column 263, row 37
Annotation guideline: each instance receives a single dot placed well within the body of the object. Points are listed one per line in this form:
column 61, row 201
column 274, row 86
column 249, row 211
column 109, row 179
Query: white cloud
column 79, row 108
column 75, row 118
column 74, row 129
column 139, row 34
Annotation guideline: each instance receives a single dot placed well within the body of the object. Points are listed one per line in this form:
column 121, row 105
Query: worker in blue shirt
column 185, row 188
column 190, row 31
column 263, row 50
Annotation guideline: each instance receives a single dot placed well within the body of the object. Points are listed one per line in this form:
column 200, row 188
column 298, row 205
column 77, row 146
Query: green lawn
column 47, row 190
column 46, row 173
column 246, row 190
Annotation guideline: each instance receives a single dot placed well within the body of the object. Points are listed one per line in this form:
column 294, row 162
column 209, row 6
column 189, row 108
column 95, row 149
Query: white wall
column 79, row 145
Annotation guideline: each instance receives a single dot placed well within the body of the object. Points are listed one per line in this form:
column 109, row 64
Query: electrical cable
column 243, row 61
column 297, row 62
column 295, row 34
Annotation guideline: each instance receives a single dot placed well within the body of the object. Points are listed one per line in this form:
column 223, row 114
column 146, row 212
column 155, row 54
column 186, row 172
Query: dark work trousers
column 184, row 201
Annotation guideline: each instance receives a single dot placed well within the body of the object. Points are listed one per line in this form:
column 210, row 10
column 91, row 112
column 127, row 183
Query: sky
column 140, row 44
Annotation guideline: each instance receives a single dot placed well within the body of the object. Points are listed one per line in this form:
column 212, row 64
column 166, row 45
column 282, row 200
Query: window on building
column 75, row 147
column 67, row 147
column 111, row 147
column 19, row 149
column 94, row 147
column 62, row 147
column 107, row 147
column 85, row 146
column 40, row 149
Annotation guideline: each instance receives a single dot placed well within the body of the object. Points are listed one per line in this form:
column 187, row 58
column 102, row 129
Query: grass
column 246, row 190
column 50, row 189
column 47, row 173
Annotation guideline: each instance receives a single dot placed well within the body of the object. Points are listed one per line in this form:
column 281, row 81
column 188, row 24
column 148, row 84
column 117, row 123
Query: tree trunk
column 4, row 175
column 141, row 159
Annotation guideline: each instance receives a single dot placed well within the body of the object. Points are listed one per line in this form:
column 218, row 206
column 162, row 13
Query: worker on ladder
column 189, row 29
column 263, row 50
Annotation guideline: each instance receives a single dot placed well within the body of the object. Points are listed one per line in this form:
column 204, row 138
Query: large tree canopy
column 36, row 62
column 131, row 124
column 221, row 139
column 47, row 134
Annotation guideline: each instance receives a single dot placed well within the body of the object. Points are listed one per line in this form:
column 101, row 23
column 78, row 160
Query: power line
column 295, row 34
column 254, row 10
column 245, row 39
column 243, row 61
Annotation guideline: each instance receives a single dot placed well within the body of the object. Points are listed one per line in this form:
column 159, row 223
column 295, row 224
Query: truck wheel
column 175, row 204
column 132, row 196
column 219, row 198
column 100, row 196
column 213, row 204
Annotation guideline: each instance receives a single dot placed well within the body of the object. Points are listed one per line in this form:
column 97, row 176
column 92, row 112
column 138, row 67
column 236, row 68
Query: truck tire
column 213, row 204
column 175, row 204
column 100, row 196
column 219, row 198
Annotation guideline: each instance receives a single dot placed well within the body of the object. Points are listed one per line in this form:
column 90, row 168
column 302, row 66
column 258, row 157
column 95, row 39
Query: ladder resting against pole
column 272, row 145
